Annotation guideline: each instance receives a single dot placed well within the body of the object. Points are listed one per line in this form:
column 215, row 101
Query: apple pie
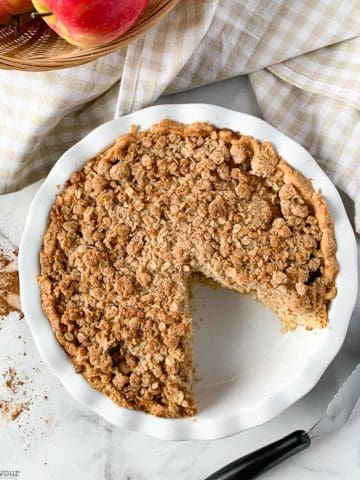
column 132, row 229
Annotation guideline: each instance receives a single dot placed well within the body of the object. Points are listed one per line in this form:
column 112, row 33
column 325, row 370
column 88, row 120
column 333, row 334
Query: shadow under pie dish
column 134, row 225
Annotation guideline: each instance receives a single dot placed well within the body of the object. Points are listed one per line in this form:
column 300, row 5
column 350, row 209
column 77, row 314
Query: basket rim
column 83, row 56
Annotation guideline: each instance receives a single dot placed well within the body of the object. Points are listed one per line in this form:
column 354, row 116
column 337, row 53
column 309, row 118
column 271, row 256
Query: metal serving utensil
column 337, row 414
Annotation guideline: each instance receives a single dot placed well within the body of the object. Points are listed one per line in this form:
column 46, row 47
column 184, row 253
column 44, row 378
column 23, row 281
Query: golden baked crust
column 137, row 223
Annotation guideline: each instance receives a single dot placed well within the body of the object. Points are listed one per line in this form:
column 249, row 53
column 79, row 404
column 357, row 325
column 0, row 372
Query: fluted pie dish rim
column 226, row 416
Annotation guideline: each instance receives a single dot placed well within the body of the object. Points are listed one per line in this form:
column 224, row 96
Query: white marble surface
column 58, row 438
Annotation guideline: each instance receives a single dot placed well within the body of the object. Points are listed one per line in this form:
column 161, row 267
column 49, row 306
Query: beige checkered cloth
column 304, row 63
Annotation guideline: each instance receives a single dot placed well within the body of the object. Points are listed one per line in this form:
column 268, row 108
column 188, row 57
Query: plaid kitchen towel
column 44, row 114
column 303, row 57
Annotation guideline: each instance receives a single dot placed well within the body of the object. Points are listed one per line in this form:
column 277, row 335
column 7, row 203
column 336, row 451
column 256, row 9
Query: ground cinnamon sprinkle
column 18, row 392
column 11, row 408
column 11, row 412
column 4, row 261
column 12, row 382
column 18, row 410
column 9, row 285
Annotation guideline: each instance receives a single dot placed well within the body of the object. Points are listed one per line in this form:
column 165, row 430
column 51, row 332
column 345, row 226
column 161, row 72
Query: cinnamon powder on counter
column 9, row 281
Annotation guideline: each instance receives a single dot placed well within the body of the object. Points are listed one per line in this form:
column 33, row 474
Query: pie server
column 337, row 414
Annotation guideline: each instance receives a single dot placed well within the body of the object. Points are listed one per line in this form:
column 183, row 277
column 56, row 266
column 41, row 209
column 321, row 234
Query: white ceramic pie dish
column 249, row 372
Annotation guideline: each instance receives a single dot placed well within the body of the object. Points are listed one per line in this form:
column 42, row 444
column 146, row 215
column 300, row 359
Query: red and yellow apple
column 87, row 23
column 10, row 8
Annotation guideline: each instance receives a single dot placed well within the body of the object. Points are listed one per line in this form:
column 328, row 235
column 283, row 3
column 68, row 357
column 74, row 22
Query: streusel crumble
column 134, row 225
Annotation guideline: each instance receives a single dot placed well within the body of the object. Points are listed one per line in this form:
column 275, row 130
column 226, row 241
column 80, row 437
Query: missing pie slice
column 135, row 225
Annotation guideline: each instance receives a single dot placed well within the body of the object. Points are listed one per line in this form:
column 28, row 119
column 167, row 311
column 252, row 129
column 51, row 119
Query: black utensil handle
column 257, row 462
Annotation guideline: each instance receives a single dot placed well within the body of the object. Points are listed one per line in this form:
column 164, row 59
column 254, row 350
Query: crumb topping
column 134, row 226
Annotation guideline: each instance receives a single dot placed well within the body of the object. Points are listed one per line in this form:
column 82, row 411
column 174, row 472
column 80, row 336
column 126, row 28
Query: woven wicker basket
column 36, row 47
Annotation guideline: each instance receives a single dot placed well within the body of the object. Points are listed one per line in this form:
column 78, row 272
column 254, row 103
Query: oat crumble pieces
column 131, row 229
